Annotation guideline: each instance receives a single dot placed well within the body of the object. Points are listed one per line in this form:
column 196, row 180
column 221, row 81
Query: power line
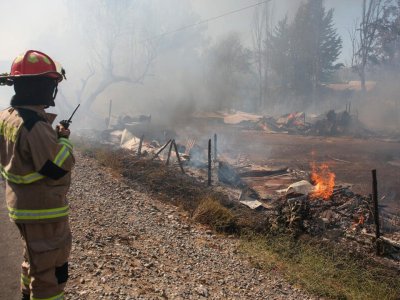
column 206, row 20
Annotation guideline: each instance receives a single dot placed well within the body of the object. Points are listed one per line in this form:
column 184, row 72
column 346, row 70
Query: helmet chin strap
column 54, row 95
column 55, row 92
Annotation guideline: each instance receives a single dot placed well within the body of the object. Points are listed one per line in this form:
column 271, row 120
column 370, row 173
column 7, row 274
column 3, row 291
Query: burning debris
column 324, row 181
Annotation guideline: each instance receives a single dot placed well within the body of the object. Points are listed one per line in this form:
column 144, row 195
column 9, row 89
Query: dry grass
column 109, row 159
column 211, row 212
column 106, row 155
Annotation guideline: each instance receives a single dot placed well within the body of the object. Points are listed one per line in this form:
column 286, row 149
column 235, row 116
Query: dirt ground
column 10, row 254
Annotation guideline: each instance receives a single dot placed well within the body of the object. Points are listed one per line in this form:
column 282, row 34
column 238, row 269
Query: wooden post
column 109, row 114
column 162, row 148
column 169, row 151
column 215, row 148
column 139, row 151
column 209, row 162
column 178, row 157
column 376, row 210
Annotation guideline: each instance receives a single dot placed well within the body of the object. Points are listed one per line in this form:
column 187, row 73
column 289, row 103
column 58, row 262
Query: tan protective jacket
column 36, row 165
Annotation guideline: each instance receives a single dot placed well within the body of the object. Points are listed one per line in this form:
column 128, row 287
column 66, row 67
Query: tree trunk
column 362, row 79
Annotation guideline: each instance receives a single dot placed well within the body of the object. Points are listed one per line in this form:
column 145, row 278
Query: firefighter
column 36, row 162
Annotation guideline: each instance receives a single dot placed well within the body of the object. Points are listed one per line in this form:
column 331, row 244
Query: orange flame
column 358, row 221
column 361, row 220
column 324, row 181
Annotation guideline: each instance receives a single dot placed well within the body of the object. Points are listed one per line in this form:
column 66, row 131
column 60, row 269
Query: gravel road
column 130, row 246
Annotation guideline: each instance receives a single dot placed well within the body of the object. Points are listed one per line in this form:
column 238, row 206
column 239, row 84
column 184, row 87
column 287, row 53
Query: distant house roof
column 352, row 86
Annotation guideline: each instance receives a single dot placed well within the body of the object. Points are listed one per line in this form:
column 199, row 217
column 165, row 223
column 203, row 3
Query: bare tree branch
column 367, row 36
column 114, row 57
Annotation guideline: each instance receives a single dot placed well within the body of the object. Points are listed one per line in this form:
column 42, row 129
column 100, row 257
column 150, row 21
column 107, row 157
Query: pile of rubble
column 331, row 123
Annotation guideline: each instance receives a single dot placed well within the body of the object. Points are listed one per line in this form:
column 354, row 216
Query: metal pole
column 209, row 162
column 376, row 210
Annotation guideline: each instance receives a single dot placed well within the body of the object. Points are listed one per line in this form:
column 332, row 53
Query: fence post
column 376, row 210
column 209, row 162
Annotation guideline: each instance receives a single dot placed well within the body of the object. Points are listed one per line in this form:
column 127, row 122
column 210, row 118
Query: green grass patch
column 322, row 270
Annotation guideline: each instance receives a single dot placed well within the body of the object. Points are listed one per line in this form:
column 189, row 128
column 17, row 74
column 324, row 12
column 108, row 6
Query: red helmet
column 35, row 63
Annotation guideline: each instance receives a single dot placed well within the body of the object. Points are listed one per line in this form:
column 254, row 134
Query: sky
column 30, row 24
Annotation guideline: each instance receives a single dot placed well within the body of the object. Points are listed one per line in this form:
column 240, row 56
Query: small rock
column 202, row 291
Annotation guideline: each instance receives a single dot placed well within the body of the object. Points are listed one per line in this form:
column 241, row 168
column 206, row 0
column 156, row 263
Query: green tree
column 316, row 45
column 279, row 47
column 310, row 45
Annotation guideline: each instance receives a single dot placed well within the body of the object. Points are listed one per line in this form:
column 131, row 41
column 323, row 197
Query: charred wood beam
column 263, row 173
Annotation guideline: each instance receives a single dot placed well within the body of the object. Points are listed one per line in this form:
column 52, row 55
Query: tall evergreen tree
column 279, row 47
column 331, row 47
column 312, row 47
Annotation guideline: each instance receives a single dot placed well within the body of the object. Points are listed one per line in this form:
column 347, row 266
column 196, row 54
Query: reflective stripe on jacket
column 57, row 297
column 36, row 165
